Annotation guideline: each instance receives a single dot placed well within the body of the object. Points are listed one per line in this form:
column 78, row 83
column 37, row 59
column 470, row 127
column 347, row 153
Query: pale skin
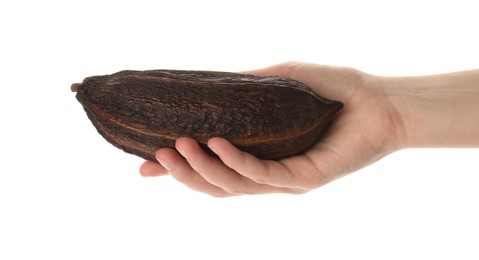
column 381, row 115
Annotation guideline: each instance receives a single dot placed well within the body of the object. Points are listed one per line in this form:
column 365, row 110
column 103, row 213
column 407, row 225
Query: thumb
column 331, row 82
column 283, row 70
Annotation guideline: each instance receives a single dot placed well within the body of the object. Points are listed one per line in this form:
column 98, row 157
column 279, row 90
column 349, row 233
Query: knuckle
column 291, row 64
column 181, row 176
column 296, row 191
column 233, row 192
column 234, row 189
column 261, row 177
column 240, row 192
column 238, row 189
column 219, row 194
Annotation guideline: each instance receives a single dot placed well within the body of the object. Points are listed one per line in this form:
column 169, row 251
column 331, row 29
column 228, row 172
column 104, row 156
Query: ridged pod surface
column 142, row 111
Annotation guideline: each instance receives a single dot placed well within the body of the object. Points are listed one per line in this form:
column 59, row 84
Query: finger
column 218, row 174
column 152, row 169
column 272, row 173
column 179, row 169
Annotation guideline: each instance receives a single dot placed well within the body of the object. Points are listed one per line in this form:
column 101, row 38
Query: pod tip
column 75, row 86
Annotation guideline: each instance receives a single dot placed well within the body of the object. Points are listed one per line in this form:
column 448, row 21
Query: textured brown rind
column 142, row 111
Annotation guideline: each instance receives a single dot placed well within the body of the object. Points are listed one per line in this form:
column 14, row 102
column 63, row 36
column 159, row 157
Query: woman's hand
column 368, row 128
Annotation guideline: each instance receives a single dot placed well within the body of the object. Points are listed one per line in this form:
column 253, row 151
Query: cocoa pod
column 143, row 111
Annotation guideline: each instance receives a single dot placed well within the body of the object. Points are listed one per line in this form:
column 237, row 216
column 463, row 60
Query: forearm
column 438, row 110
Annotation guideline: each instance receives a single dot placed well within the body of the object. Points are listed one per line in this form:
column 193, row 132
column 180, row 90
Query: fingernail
column 165, row 164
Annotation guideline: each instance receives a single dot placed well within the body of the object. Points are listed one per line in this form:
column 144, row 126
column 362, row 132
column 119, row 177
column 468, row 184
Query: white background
column 65, row 193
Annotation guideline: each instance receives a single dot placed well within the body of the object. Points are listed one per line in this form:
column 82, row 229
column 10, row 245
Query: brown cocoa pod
column 143, row 111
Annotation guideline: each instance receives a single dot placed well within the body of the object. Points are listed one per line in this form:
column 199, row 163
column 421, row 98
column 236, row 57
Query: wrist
column 438, row 110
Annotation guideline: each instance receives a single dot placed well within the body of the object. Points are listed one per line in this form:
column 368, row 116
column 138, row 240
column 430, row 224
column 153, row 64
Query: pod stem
column 75, row 86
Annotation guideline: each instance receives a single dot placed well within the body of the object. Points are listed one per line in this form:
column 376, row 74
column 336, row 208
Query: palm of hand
column 364, row 131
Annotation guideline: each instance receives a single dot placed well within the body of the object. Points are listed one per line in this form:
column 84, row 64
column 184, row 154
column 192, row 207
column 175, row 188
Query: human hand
column 367, row 129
